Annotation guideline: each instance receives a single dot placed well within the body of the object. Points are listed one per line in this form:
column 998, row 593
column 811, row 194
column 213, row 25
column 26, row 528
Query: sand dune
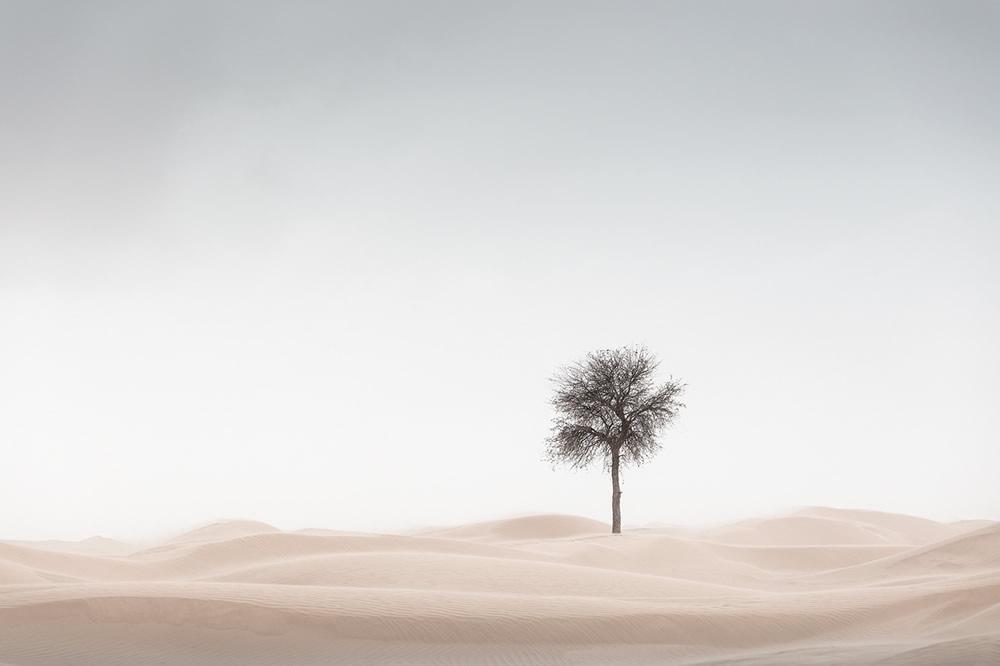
column 527, row 528
column 977, row 551
column 821, row 586
column 229, row 529
column 91, row 546
column 901, row 528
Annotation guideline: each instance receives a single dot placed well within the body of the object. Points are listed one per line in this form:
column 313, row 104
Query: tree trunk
column 616, row 495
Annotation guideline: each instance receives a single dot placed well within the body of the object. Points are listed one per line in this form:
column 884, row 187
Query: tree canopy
column 610, row 408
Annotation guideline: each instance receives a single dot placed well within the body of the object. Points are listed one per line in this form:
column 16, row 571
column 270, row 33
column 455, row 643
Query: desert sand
column 820, row 586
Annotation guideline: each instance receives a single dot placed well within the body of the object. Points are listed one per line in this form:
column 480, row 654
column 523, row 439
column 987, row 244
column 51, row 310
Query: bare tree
column 610, row 409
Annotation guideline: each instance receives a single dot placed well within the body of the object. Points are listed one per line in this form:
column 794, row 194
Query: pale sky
column 312, row 263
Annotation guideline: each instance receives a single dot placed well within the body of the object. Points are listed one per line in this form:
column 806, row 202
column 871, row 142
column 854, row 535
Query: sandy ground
column 822, row 586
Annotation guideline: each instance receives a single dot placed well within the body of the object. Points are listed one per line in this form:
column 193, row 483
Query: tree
column 609, row 408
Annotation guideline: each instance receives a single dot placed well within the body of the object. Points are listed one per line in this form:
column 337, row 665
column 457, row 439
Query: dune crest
column 226, row 529
column 525, row 528
column 819, row 586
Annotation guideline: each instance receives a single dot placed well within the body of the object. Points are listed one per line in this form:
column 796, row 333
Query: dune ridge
column 820, row 586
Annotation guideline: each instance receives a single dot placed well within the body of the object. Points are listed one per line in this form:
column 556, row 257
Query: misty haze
column 476, row 332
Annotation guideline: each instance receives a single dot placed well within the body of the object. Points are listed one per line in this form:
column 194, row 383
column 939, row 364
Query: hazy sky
column 312, row 263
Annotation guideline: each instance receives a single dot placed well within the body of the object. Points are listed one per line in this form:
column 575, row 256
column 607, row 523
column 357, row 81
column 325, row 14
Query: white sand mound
column 968, row 553
column 14, row 573
column 90, row 546
column 465, row 573
column 977, row 550
column 822, row 586
column 982, row 650
column 802, row 530
column 899, row 528
column 527, row 528
column 316, row 531
column 227, row 529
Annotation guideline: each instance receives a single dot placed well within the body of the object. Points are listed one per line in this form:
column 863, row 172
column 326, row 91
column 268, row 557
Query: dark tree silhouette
column 610, row 409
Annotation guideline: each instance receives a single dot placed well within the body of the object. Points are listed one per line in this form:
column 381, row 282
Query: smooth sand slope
column 822, row 586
